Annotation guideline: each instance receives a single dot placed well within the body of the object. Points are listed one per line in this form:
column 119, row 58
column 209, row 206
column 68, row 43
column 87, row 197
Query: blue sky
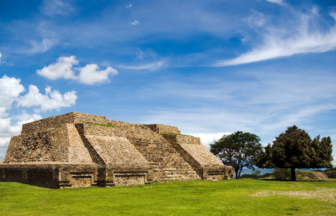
column 208, row 67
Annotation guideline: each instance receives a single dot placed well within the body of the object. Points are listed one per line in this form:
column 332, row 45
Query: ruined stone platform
column 82, row 150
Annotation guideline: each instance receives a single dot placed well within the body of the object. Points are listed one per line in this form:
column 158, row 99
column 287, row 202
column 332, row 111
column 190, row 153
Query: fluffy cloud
column 51, row 100
column 283, row 42
column 63, row 68
column 90, row 74
column 10, row 89
column 129, row 5
column 4, row 141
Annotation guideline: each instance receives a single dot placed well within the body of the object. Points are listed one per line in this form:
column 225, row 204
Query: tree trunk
column 293, row 177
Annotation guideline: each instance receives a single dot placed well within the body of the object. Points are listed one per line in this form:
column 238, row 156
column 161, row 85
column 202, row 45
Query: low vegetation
column 177, row 134
column 226, row 197
column 106, row 125
column 302, row 175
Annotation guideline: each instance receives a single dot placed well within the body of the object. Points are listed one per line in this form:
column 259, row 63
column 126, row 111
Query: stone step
column 171, row 176
column 191, row 172
column 169, row 169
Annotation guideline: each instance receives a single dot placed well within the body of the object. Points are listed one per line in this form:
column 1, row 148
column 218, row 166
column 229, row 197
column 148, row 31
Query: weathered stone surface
column 77, row 151
column 66, row 152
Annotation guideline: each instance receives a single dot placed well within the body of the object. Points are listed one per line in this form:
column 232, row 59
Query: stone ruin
column 82, row 150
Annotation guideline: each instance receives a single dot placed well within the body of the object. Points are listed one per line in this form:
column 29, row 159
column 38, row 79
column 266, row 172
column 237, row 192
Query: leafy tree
column 238, row 150
column 295, row 149
column 256, row 172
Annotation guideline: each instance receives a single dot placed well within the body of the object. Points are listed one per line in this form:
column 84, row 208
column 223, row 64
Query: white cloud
column 90, row 74
column 315, row 10
column 129, row 5
column 256, row 19
column 283, row 43
column 0, row 57
column 152, row 66
column 140, row 55
column 280, row 2
column 41, row 47
column 208, row 138
column 135, row 22
column 51, row 100
column 10, row 89
column 333, row 13
column 61, row 69
column 56, row 7
column 4, row 141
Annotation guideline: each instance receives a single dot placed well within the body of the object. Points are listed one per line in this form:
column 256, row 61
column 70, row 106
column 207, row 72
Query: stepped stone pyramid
column 82, row 150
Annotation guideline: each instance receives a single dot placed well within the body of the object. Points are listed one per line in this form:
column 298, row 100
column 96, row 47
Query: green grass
column 227, row 197
column 177, row 134
column 106, row 125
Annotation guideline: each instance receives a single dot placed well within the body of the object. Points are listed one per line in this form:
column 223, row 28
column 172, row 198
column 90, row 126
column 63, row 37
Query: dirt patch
column 322, row 194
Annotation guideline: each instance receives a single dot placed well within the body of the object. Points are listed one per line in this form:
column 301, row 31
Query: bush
column 266, row 175
column 331, row 174
column 281, row 174
column 248, row 176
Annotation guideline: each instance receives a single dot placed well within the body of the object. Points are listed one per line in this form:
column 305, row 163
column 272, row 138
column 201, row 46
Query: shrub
column 266, row 175
column 281, row 174
column 331, row 174
column 248, row 176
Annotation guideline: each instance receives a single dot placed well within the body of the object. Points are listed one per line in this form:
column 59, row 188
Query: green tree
column 238, row 150
column 295, row 149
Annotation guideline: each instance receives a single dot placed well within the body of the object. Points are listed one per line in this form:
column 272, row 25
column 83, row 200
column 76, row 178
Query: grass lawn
column 227, row 197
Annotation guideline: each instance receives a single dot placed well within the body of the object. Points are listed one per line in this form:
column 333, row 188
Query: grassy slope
column 228, row 197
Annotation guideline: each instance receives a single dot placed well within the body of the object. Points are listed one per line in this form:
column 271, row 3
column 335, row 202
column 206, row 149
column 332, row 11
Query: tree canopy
column 295, row 149
column 238, row 150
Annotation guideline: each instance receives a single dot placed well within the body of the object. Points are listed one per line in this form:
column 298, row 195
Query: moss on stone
column 177, row 134
column 106, row 125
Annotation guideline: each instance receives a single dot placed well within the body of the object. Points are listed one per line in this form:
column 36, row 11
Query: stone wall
column 50, row 144
column 60, row 120
column 159, row 128
column 51, row 175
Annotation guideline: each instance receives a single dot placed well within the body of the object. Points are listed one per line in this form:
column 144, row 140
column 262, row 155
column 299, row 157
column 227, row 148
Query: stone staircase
column 166, row 164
